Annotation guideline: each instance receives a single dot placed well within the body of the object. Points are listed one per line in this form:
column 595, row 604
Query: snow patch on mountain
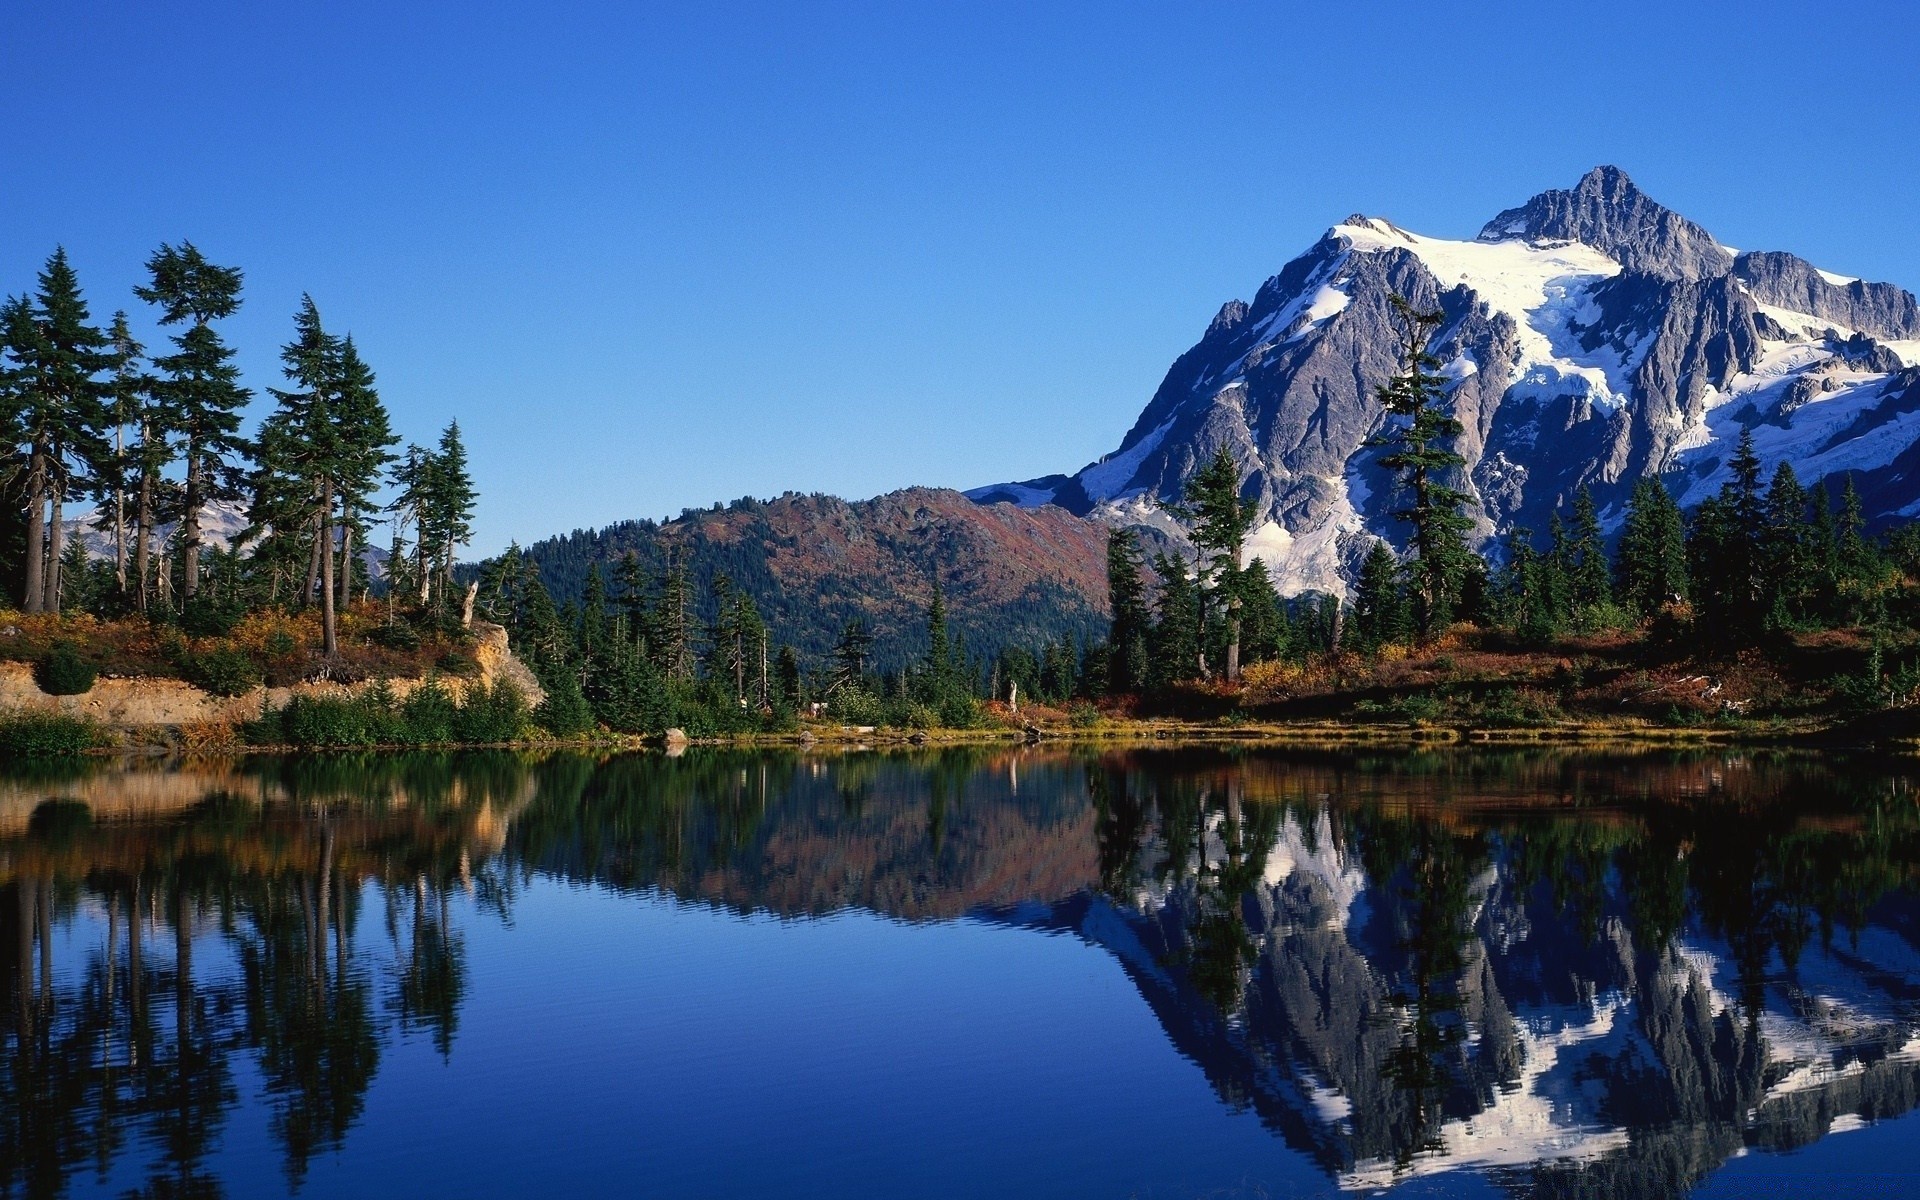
column 1544, row 288
column 1105, row 479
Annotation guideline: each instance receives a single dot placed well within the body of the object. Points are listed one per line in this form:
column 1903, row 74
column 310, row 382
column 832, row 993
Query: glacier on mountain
column 1591, row 337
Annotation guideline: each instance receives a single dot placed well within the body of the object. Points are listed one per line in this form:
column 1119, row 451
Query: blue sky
column 654, row 256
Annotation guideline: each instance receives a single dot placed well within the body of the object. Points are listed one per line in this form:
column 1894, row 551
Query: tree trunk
column 318, row 548
column 56, row 547
column 346, row 557
column 35, row 599
column 143, row 533
column 331, row 640
column 120, row 509
column 190, row 525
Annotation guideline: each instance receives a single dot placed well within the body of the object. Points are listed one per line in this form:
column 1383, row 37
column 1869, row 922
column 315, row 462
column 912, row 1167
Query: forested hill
column 1011, row 576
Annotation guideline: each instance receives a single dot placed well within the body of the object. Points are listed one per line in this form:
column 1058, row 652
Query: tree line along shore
column 1770, row 608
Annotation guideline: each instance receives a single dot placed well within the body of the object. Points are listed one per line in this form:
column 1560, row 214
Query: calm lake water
column 1034, row 972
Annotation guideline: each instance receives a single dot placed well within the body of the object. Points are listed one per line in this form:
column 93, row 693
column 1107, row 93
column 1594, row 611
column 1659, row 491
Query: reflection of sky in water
column 1051, row 1021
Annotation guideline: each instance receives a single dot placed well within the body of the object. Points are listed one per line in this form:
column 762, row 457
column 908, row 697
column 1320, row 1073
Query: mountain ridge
column 1592, row 337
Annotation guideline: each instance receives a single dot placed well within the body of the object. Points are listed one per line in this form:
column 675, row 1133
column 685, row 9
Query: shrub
column 959, row 712
column 565, row 712
column 64, row 673
column 458, row 664
column 491, row 714
column 854, row 706
column 34, row 734
column 203, row 617
column 224, row 671
column 428, row 713
column 394, row 637
column 1086, row 716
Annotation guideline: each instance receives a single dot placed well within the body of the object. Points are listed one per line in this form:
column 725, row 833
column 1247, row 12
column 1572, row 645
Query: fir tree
column 447, row 513
column 850, row 655
column 1175, row 646
column 1211, row 503
column 1420, row 452
column 128, row 393
column 199, row 387
column 1652, row 564
column 1380, row 615
column 1589, row 584
column 60, row 413
column 1127, row 667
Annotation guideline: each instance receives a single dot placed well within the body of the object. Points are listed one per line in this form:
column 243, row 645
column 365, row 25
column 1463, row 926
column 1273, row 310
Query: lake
column 1047, row 972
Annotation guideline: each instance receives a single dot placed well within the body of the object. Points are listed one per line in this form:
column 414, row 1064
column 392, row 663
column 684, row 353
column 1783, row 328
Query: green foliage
column 224, row 670
column 565, row 712
column 374, row 717
column 63, row 672
column 1128, row 669
column 1381, row 615
column 1419, row 450
column 38, row 734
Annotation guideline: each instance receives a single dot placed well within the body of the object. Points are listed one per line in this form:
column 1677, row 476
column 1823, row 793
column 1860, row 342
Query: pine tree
column 1380, row 615
column 300, row 457
column 850, row 655
column 1861, row 570
column 366, row 440
column 1589, row 583
column 1211, row 503
column 448, row 510
column 1263, row 622
column 1127, row 595
column 127, row 402
column 595, row 623
column 672, row 623
column 1652, row 564
column 1419, row 450
column 199, row 388
column 1725, row 552
column 61, row 407
column 1175, row 645
column 1787, row 552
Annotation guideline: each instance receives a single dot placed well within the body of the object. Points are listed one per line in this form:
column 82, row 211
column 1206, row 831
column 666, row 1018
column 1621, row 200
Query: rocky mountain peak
column 1608, row 211
column 1592, row 337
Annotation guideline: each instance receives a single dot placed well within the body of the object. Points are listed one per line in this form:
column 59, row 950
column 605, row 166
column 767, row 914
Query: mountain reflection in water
column 1573, row 975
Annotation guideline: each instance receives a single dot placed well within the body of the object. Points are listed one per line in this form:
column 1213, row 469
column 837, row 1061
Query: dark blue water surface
column 1032, row 972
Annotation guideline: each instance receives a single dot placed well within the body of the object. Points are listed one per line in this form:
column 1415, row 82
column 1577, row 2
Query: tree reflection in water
column 1585, row 975
column 135, row 1048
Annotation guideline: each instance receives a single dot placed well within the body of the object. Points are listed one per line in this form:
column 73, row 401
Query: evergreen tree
column 1725, row 552
column 595, row 623
column 301, row 455
column 1211, row 503
column 1787, row 552
column 199, row 387
column 672, row 624
column 788, row 685
column 1380, row 612
column 1861, row 571
column 1588, row 583
column 1175, row 645
column 1420, row 452
column 1263, row 621
column 447, row 512
column 1127, row 667
column 1652, row 565
column 128, row 393
column 850, row 655
column 60, row 406
column 367, row 440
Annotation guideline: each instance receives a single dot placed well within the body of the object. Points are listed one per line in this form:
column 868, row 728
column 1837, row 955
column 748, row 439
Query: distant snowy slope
column 1592, row 337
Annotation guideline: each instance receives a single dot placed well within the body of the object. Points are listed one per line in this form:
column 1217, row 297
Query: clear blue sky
column 656, row 255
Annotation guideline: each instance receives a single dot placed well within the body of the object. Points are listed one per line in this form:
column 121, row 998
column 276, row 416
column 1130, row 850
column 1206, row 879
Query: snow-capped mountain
column 1592, row 336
